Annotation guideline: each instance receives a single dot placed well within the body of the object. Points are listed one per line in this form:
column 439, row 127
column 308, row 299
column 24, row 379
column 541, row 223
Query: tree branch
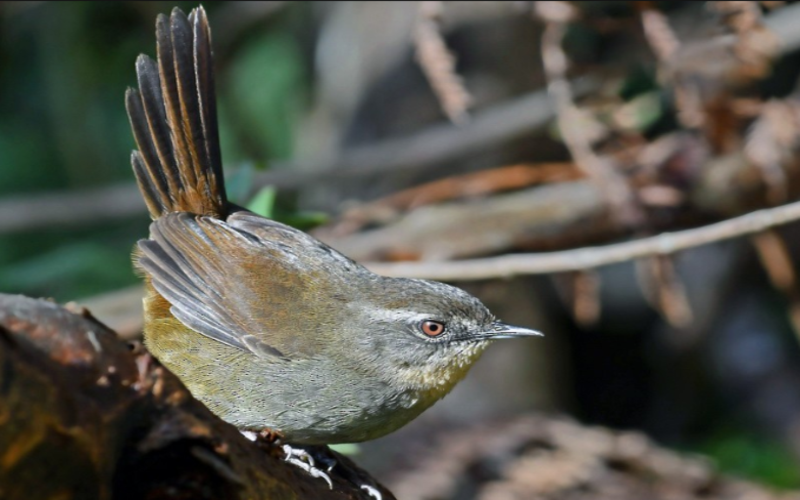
column 591, row 257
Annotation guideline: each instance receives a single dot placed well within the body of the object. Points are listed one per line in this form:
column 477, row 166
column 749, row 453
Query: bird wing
column 248, row 282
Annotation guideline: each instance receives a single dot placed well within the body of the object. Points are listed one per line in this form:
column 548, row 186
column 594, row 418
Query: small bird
column 267, row 326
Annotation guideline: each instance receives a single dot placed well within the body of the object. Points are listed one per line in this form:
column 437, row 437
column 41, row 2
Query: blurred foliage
column 64, row 68
column 69, row 263
column 267, row 204
column 738, row 451
column 264, row 94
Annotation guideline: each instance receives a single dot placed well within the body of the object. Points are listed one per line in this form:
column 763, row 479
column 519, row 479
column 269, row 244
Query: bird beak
column 503, row 331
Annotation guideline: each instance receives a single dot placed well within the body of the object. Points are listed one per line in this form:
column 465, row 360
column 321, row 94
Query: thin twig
column 665, row 45
column 600, row 170
column 659, row 34
column 439, row 64
column 591, row 257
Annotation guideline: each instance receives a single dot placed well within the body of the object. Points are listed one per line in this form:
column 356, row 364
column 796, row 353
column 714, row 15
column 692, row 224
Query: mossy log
column 84, row 415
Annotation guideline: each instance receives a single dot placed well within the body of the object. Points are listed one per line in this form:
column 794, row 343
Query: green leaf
column 263, row 203
column 304, row 220
column 346, row 448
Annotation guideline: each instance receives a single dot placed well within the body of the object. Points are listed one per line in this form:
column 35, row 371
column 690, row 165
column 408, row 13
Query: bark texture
column 84, row 415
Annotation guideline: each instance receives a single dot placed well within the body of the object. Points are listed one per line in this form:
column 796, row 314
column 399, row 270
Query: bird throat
column 435, row 378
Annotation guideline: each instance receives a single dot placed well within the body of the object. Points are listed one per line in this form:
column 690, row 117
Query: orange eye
column 432, row 328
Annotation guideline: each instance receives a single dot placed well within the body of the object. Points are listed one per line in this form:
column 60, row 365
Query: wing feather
column 220, row 280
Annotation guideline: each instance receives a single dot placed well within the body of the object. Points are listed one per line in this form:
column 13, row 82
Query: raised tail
column 174, row 120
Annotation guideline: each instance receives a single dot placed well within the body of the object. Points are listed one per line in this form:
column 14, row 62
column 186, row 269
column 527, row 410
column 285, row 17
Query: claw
column 250, row 435
column 298, row 454
column 320, row 474
column 373, row 492
column 301, row 458
column 305, row 460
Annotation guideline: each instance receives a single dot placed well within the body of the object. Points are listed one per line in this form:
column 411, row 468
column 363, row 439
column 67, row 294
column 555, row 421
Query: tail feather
column 152, row 196
column 174, row 121
column 156, row 142
column 205, row 88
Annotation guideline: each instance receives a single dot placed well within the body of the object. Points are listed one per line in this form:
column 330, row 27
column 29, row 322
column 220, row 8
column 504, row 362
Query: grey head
column 427, row 333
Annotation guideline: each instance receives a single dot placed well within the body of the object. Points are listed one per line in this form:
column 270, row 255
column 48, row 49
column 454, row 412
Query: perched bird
column 267, row 326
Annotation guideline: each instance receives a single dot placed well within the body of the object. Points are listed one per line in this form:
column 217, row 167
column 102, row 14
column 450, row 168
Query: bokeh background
column 329, row 108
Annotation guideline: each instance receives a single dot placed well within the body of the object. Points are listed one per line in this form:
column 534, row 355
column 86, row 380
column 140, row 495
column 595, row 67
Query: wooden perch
column 82, row 415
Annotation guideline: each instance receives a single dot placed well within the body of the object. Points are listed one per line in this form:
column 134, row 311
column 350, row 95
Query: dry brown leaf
column 777, row 262
column 659, row 34
column 770, row 142
column 586, row 297
column 663, row 290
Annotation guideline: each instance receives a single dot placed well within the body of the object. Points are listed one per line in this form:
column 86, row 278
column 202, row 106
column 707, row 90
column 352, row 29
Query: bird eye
column 432, row 328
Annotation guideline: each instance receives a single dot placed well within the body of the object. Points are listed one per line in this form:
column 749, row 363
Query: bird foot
column 303, row 459
column 309, row 458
